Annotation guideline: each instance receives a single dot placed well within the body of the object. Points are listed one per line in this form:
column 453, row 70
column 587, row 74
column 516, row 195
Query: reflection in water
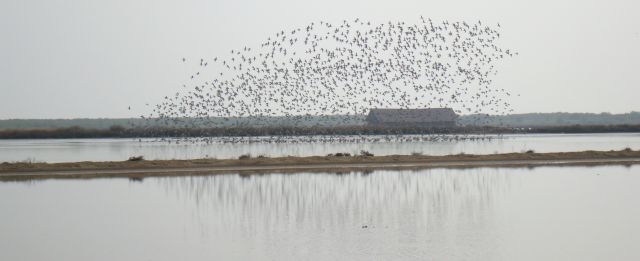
column 571, row 213
column 418, row 212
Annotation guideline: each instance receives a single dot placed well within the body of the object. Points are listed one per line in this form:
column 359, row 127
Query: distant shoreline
column 332, row 164
column 243, row 131
column 509, row 120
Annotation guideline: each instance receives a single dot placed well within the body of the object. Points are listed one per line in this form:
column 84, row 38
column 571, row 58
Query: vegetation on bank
column 512, row 120
column 157, row 132
column 552, row 119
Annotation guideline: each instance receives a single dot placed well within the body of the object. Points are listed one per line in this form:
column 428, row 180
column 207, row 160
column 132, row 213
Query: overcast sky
column 90, row 58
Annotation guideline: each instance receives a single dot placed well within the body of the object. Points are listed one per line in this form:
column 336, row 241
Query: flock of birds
column 324, row 69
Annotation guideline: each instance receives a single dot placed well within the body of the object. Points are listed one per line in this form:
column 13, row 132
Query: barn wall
column 413, row 124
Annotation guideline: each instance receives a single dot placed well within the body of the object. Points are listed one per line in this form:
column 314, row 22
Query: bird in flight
column 323, row 70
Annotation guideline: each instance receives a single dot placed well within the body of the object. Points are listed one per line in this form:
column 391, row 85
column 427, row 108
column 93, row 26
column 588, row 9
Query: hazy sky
column 89, row 58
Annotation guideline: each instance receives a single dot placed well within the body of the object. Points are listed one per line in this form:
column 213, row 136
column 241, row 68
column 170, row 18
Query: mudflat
column 338, row 162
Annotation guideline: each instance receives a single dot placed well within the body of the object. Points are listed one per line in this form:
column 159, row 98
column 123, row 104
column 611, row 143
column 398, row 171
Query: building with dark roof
column 430, row 117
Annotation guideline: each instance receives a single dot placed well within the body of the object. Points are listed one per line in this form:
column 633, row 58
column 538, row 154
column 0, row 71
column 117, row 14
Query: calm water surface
column 72, row 150
column 549, row 213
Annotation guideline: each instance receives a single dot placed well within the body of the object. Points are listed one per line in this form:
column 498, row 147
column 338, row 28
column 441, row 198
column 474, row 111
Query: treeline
column 74, row 132
column 103, row 124
column 164, row 132
column 552, row 119
column 160, row 132
column 513, row 120
column 582, row 129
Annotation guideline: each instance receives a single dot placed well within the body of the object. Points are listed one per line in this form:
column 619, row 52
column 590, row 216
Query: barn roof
column 414, row 115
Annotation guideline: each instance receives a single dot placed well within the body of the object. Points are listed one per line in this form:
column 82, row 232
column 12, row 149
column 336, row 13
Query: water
column 71, row 150
column 548, row 213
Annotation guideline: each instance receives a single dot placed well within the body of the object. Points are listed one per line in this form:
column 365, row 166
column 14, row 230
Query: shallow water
column 71, row 150
column 547, row 213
